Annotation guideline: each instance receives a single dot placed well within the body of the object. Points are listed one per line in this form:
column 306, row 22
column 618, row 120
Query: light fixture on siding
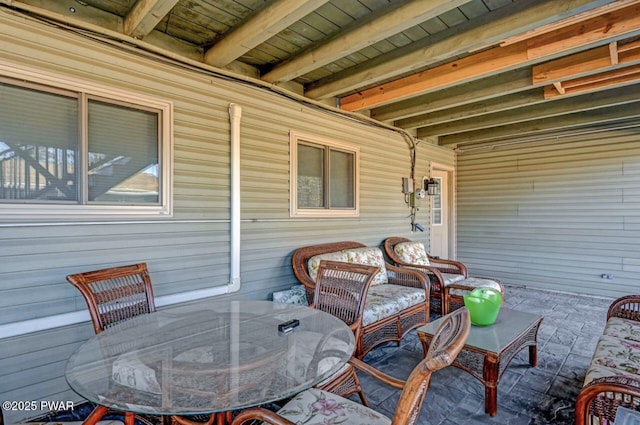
column 432, row 187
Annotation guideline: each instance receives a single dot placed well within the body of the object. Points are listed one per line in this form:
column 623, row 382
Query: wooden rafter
column 381, row 24
column 145, row 15
column 490, row 29
column 274, row 17
column 607, row 66
column 619, row 23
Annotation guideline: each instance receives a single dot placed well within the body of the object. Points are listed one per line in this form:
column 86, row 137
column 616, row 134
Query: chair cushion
column 450, row 278
column 369, row 256
column 320, row 407
column 473, row 282
column 128, row 370
column 613, row 357
column 386, row 300
column 412, row 253
column 313, row 264
column 295, row 295
column 312, row 344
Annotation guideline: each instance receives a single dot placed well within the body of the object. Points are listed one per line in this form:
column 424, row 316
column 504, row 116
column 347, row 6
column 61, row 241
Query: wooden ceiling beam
column 273, row 18
column 557, row 123
column 470, row 110
column 488, row 88
column 623, row 22
column 490, row 28
column 541, row 110
column 145, row 15
column 379, row 25
column 606, row 80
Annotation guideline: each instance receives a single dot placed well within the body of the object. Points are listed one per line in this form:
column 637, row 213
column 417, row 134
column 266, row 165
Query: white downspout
column 235, row 113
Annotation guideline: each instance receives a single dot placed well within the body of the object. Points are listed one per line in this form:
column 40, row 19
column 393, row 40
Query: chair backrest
column 447, row 342
column 389, row 245
column 341, row 289
column 115, row 294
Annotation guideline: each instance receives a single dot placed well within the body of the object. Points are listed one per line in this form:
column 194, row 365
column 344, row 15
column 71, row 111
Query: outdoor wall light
column 432, row 187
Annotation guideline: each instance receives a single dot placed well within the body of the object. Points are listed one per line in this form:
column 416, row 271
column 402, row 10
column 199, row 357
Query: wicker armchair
column 114, row 295
column 307, row 407
column 599, row 399
column 449, row 279
column 340, row 290
column 390, row 328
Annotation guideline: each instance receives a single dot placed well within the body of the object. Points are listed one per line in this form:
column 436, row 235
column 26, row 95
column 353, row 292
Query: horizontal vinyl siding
column 191, row 249
column 554, row 215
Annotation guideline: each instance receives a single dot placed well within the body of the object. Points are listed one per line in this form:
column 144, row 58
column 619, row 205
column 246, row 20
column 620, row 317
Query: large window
column 324, row 177
column 81, row 151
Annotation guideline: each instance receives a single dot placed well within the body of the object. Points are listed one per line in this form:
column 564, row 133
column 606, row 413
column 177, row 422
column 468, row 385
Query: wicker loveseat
column 613, row 377
column 397, row 301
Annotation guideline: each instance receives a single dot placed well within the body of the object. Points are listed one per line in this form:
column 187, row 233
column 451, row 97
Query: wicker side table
column 489, row 350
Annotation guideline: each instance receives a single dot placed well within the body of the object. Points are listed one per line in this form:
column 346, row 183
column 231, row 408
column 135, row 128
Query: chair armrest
column 408, row 277
column 449, row 266
column 262, row 414
column 627, row 307
column 377, row 374
column 432, row 274
column 623, row 391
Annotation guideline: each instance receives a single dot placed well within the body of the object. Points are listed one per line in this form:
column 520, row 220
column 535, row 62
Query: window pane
column 123, row 155
column 38, row 145
column 437, row 204
column 310, row 177
column 342, row 179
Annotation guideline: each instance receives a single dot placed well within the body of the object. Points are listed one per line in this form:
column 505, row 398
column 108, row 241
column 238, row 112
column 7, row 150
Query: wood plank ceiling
column 453, row 72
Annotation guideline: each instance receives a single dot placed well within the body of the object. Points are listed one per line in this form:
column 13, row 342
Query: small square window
column 324, row 177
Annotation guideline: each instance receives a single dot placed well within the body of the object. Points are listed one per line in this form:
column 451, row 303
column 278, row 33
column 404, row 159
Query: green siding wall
column 555, row 214
column 191, row 249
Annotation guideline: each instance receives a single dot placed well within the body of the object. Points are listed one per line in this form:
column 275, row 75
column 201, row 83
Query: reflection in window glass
column 342, row 179
column 310, row 176
column 38, row 145
column 123, row 155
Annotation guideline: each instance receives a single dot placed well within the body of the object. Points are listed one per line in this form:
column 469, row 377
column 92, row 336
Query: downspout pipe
column 235, row 114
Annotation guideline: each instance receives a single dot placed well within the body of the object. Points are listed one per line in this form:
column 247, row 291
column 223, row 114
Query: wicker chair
column 114, row 295
column 391, row 328
column 308, row 407
column 449, row 279
column 341, row 289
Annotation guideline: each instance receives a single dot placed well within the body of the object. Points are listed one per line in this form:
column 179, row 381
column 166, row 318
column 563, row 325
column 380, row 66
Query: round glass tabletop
column 209, row 356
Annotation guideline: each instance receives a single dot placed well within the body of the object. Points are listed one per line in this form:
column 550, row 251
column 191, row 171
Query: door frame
column 451, row 206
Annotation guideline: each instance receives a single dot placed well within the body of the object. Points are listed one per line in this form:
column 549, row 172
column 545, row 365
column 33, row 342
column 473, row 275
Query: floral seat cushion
column 472, row 283
column 312, row 344
column 313, row 264
column 295, row 295
column 130, row 371
column 369, row 256
column 412, row 253
column 614, row 357
column 386, row 300
column 319, row 407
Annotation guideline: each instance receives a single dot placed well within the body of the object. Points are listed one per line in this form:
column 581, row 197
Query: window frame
column 296, row 137
column 433, row 206
column 84, row 91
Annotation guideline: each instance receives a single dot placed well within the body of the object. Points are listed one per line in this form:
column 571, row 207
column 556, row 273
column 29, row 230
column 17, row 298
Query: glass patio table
column 209, row 357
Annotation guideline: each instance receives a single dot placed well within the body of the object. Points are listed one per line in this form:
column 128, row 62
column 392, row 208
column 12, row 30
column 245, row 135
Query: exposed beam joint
column 379, row 25
column 558, row 87
column 274, row 17
column 624, row 22
column 145, row 15
column 613, row 53
column 605, row 80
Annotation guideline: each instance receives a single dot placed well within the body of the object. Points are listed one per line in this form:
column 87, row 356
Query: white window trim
column 294, row 211
column 47, row 211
